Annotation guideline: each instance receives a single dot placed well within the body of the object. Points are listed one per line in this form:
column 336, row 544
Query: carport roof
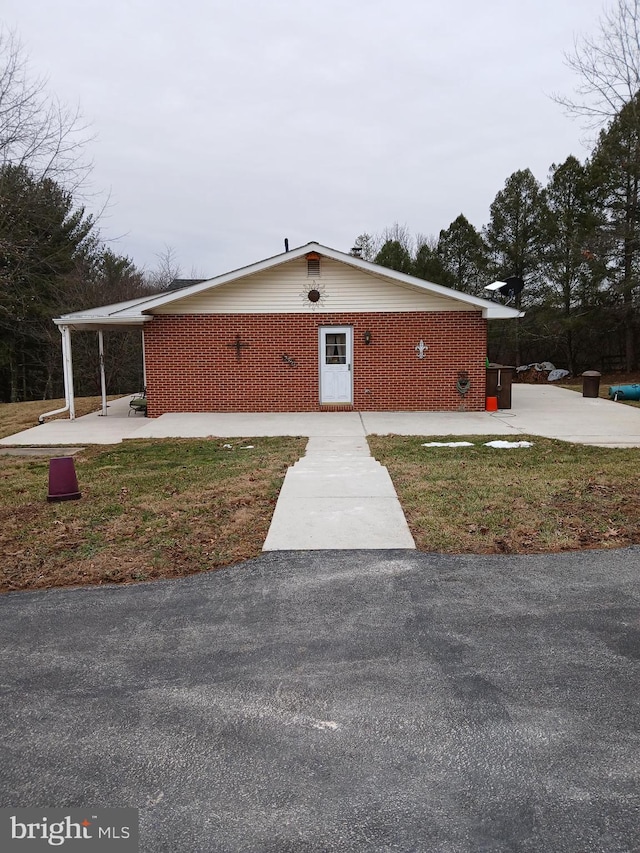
column 119, row 314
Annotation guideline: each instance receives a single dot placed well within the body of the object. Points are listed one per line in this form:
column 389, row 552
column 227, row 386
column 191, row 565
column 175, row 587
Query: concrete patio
column 543, row 410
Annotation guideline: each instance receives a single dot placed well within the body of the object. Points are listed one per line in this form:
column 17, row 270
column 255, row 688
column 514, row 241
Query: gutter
column 488, row 314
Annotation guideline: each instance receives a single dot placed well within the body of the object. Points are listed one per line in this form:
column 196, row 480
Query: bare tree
column 607, row 64
column 166, row 271
column 37, row 131
column 399, row 234
column 428, row 240
column 366, row 246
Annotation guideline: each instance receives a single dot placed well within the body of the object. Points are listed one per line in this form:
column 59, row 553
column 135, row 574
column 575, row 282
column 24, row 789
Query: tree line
column 574, row 241
column 52, row 259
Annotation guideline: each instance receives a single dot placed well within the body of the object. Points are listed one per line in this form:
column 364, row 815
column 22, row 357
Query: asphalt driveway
column 338, row 701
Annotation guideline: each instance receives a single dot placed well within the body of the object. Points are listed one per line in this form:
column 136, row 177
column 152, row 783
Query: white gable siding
column 280, row 290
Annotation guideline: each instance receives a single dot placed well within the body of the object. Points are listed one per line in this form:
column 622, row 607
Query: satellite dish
column 510, row 287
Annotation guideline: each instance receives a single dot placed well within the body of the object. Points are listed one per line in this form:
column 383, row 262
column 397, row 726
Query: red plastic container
column 63, row 483
column 492, row 404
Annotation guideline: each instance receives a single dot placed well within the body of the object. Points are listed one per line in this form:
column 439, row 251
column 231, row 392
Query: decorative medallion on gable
column 313, row 295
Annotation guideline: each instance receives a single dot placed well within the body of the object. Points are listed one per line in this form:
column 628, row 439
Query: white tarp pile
column 539, row 371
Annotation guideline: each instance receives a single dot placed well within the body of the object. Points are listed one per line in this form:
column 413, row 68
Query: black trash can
column 499, row 382
column 591, row 383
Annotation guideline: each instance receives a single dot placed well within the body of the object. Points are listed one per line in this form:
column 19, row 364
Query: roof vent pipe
column 356, row 251
column 286, row 244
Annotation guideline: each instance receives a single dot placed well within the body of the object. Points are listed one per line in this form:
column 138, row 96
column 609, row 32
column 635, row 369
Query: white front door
column 336, row 349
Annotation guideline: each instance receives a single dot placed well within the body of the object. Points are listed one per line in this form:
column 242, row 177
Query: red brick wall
column 191, row 366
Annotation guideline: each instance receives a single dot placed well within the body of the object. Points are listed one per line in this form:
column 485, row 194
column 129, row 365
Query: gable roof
column 179, row 283
column 139, row 311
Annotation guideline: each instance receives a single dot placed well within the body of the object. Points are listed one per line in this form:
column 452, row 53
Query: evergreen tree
column 513, row 238
column 428, row 264
column 42, row 235
column 395, row 256
column 570, row 264
column 463, row 255
column 513, row 235
column 615, row 170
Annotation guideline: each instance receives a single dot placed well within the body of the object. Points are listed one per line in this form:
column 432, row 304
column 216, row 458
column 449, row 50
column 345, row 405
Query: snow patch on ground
column 501, row 445
column 448, row 444
column 508, row 444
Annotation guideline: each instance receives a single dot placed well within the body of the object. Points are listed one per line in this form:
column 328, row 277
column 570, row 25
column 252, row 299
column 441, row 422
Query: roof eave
column 94, row 323
column 501, row 312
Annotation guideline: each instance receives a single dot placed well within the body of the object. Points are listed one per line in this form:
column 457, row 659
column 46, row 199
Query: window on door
column 336, row 348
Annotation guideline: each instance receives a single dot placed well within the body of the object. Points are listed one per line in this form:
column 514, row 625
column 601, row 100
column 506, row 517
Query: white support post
column 67, row 361
column 103, row 383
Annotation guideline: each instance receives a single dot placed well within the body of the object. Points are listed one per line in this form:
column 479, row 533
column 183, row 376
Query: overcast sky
column 223, row 126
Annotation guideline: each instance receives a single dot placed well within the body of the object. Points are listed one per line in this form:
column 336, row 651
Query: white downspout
column 103, row 383
column 144, row 364
column 66, row 407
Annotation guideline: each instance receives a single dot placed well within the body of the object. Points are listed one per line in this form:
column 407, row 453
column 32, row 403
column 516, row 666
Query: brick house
column 311, row 329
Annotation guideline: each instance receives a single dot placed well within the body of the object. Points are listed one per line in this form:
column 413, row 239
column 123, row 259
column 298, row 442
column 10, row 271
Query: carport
column 108, row 317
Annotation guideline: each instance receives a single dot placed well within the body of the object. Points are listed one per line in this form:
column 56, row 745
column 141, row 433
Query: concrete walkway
column 337, row 496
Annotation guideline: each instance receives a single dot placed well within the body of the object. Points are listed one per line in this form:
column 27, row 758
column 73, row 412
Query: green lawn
column 553, row 496
column 149, row 509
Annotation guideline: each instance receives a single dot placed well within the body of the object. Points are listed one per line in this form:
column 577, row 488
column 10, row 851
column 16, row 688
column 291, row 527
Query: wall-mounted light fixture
column 367, row 338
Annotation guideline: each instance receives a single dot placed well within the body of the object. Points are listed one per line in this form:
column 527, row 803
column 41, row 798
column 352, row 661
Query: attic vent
column 313, row 265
